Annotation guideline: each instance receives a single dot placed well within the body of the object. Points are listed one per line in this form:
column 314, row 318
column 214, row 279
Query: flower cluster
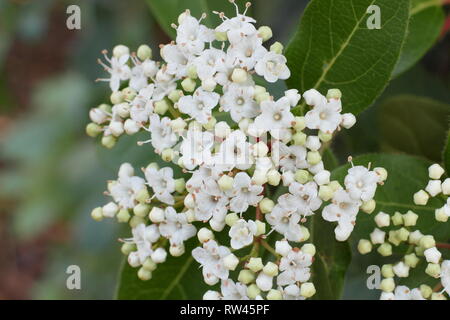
column 421, row 248
column 237, row 146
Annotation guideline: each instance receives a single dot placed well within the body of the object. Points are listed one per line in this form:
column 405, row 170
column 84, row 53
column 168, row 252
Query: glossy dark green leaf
column 333, row 48
column 178, row 278
column 427, row 18
column 446, row 154
column 414, row 125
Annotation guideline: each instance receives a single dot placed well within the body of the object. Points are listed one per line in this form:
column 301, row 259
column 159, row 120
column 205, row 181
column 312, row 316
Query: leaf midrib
column 176, row 280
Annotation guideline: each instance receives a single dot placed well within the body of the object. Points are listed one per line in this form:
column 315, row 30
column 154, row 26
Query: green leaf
column 333, row 48
column 166, row 12
column 331, row 260
column 414, row 125
column 427, row 18
column 406, row 176
column 177, row 278
column 446, row 154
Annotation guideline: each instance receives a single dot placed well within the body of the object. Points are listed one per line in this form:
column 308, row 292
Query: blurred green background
column 52, row 175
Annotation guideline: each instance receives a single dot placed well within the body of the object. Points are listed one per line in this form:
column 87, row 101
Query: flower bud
column 381, row 173
column 397, row 219
column 377, row 236
column 313, row 157
column 274, row 295
column 253, row 291
column 260, row 149
column 325, row 193
column 135, row 221
column 255, row 264
column 307, row 289
column 161, row 106
column 401, row 270
column 368, row 206
column 144, row 52
column 438, row 296
column 299, row 138
column 212, row 295
column 221, row 36
column 277, row 48
column 116, row 97
column 116, row 128
column 382, row 220
column 231, row 218
column 323, row 177
column 264, row 282
column 302, row 176
column 260, row 228
column 93, row 130
column 127, row 248
column 433, row 270
column 133, row 260
column 414, row 237
column 131, row 127
column 192, row 72
column 421, row 198
column 225, row 182
column 97, row 214
column 177, row 250
column 144, row 274
column 156, row 215
column 440, row 215
column 266, row 205
column 435, row 171
column 159, row 255
column 433, row 187
column 259, row 177
column 334, row 94
column 325, row 137
column 239, row 75
column 309, row 248
column 387, row 285
column 141, row 209
column 209, row 84
column 175, row 95
column 123, row 216
column 217, row 225
column 262, row 97
column 167, row 154
column 427, row 242
column 120, row 50
column 178, row 125
column 282, row 247
column 230, row 262
column 293, row 96
column 142, row 196
column 110, row 209
column 270, row 269
column 425, row 290
column 385, row 249
column 348, row 120
column 387, row 271
column 273, row 177
column 204, row 235
column 246, row 276
column 188, row 85
column 265, row 33
column 411, row 260
column 410, row 219
column 149, row 264
column 304, row 234
column 364, row 246
column 189, row 201
column 432, row 255
column 446, row 187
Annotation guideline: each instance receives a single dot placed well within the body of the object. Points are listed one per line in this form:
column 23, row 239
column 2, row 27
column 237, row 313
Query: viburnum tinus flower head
column 242, row 163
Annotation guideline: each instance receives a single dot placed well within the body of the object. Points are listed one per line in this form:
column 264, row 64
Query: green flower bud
column 334, row 94
column 402, row 234
column 387, row 285
column 266, row 205
column 364, row 246
column 325, row 137
column 253, row 291
column 397, row 219
column 421, row 198
column 325, row 193
column 109, row 141
column 144, row 274
column 225, row 183
column 411, row 260
column 302, row 176
column 271, row 269
column 167, row 154
column 97, row 214
column 387, row 271
column 438, row 296
column 135, row 221
column 192, row 72
column 299, row 138
column 141, row 210
column 221, row 36
column 426, row 291
column 309, row 248
column 427, row 242
column 261, row 228
column 262, row 97
column 120, row 50
column 123, row 216
column 93, row 130
column 239, row 75
column 265, row 33
column 129, row 94
column 305, row 234
column 142, row 196
column 335, row 185
column 274, row 295
column 277, row 47
column 180, row 185
column 273, row 177
column 231, row 218
column 410, row 219
column 161, row 106
column 117, row 97
column 149, row 265
column 175, row 95
column 440, row 215
column 255, row 264
column 393, row 237
column 307, row 289
column 246, row 276
column 144, row 52
column 433, row 270
column 385, row 249
column 313, row 157
column 128, row 248
column 188, row 85
column 299, row 124
column 368, row 206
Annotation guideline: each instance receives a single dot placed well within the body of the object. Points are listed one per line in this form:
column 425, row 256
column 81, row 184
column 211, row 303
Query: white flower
column 285, row 221
column 119, row 70
column 233, row 291
column 293, row 96
column 306, row 197
column 211, row 259
column 162, row 183
column 234, row 152
column 294, row 267
column 401, row 270
column 242, row 233
column 196, row 148
column 343, row 210
column 244, row 193
column 246, row 53
column 432, row 255
column 126, row 188
column 209, row 63
column 176, row 227
column 162, row 135
column 150, row 68
column 199, row 105
column 290, row 158
column 238, row 28
column 264, row 282
column 138, row 79
column 292, row 292
column 273, row 67
column 404, row 293
column 177, row 61
column 191, row 35
column 325, row 116
column 211, row 202
column 143, row 237
column 445, row 275
column 142, row 105
column 238, row 100
column 275, row 116
column 361, row 183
